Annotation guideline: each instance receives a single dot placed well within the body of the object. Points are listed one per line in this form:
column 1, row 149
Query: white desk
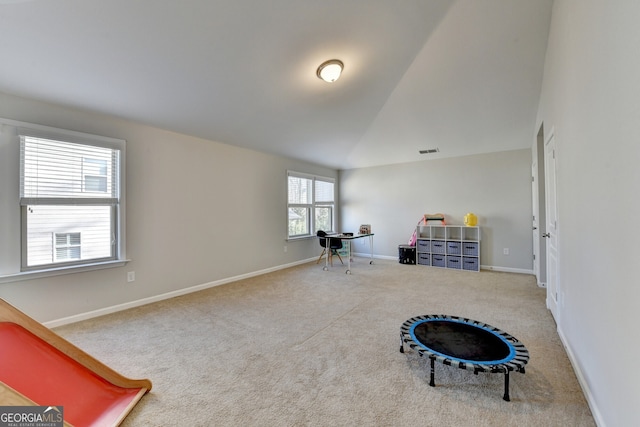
column 344, row 237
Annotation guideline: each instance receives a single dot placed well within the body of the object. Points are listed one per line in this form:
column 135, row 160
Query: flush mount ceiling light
column 330, row 71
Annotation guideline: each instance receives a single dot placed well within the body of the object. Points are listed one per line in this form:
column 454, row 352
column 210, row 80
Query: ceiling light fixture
column 330, row 71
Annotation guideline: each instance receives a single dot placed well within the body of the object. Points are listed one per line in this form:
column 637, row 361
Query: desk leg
column 326, row 260
column 349, row 258
column 371, row 246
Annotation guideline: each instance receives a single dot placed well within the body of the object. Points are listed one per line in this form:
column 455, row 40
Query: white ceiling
column 463, row 76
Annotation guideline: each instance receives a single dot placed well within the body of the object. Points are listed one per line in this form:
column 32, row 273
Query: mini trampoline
column 465, row 343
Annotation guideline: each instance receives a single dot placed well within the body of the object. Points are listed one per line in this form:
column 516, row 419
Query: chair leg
column 321, row 255
column 337, row 253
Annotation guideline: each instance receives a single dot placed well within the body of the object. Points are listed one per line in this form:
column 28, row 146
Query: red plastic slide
column 47, row 376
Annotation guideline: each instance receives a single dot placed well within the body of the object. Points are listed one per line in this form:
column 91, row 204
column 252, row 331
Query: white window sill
column 293, row 239
column 30, row 275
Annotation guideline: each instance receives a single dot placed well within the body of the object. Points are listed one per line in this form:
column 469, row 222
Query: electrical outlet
column 131, row 276
column 505, row 251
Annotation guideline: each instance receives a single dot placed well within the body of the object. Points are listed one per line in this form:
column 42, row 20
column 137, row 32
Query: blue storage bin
column 453, row 248
column 438, row 260
column 470, row 264
column 424, row 245
column 438, row 246
column 424, row 259
column 454, row 262
column 470, row 248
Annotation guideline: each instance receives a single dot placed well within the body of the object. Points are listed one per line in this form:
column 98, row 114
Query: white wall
column 496, row 187
column 197, row 212
column 591, row 98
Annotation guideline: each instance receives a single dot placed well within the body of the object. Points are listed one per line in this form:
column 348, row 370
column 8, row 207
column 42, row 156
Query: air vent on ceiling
column 429, row 151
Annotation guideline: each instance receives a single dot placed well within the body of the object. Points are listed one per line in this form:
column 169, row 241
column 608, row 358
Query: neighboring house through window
column 311, row 204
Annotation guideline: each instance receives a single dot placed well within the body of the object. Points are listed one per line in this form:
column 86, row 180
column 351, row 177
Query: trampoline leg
column 506, row 385
column 432, row 382
column 401, row 344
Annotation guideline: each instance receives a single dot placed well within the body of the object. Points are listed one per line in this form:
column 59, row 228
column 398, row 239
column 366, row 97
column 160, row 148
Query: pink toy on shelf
column 423, row 221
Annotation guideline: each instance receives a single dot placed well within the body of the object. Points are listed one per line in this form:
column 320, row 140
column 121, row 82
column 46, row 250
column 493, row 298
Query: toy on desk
column 365, row 229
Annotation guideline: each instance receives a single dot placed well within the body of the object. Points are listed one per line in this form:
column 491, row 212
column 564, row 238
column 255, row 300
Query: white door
column 534, row 224
column 551, row 232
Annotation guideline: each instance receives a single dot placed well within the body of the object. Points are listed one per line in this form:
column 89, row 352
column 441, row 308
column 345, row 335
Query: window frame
column 312, row 205
column 13, row 266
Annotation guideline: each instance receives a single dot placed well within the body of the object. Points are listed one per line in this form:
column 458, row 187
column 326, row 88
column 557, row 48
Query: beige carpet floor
column 307, row 347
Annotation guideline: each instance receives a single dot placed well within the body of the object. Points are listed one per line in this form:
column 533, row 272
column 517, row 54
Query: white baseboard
column 506, row 269
column 161, row 297
column 595, row 412
column 482, row 267
column 368, row 255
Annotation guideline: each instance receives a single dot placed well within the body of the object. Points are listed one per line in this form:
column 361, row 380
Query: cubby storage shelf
column 448, row 246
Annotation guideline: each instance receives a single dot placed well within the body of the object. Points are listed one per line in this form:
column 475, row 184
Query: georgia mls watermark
column 31, row 416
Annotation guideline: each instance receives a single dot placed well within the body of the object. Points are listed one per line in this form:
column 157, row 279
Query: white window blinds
column 59, row 172
column 323, row 191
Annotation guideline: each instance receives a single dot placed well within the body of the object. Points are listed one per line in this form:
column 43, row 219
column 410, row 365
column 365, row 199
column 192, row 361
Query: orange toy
column 434, row 217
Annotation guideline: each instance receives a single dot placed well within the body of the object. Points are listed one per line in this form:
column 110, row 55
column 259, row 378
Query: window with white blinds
column 69, row 200
column 311, row 204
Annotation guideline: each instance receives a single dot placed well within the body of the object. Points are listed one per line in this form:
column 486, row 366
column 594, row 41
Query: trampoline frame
column 515, row 361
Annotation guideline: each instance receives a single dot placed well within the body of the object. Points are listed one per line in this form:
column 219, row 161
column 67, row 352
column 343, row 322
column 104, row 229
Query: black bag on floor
column 407, row 254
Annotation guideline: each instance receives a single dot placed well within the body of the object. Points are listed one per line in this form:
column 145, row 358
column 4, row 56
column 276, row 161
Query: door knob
column 546, row 234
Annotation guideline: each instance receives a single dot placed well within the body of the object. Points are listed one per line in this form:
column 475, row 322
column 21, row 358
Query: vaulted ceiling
column 462, row 76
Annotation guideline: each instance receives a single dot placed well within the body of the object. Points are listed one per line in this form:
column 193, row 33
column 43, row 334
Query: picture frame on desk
column 365, row 229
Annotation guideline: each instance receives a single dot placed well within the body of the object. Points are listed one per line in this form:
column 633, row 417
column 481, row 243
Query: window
column 62, row 201
column 95, row 175
column 67, row 246
column 311, row 204
column 67, row 190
